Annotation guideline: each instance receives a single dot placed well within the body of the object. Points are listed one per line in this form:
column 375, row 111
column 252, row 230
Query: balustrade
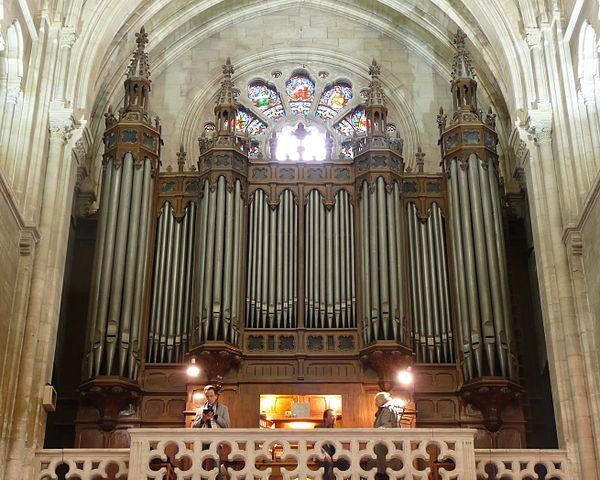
column 358, row 454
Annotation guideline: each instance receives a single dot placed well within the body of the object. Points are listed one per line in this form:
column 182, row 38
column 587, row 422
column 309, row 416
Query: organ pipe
column 328, row 303
column 170, row 309
column 428, row 283
column 118, row 278
column 382, row 282
column 219, row 267
column 481, row 287
column 270, row 289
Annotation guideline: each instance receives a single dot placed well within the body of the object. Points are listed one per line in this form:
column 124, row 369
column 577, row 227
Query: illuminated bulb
column 193, row 370
column 405, row 377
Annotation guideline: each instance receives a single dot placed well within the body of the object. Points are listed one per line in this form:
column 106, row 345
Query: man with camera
column 212, row 414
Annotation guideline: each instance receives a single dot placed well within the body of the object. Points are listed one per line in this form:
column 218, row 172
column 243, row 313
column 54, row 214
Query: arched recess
column 199, row 111
column 11, row 75
column 102, row 40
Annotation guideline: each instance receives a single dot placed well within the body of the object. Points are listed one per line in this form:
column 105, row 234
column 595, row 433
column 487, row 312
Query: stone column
column 563, row 336
column 37, row 352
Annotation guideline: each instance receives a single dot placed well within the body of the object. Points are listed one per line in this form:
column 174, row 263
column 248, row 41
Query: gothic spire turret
column 376, row 111
column 137, row 83
column 464, row 86
column 225, row 110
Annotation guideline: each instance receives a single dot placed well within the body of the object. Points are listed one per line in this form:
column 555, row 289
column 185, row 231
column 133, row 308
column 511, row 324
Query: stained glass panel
column 344, row 128
column 359, row 120
column 242, row 120
column 275, row 112
column 346, row 151
column 256, row 127
column 336, row 97
column 263, row 96
column 325, row 112
column 354, row 122
column 248, row 123
column 300, row 108
column 300, row 88
column 300, row 91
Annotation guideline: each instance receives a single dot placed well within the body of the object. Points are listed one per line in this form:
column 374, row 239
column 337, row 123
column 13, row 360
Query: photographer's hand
column 207, row 416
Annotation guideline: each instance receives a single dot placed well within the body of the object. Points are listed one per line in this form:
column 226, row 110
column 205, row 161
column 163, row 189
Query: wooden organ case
column 305, row 279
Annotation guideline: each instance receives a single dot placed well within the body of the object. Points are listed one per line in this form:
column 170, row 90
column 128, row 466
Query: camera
column 208, row 409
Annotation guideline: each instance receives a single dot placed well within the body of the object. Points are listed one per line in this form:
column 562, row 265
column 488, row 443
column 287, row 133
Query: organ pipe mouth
column 193, row 370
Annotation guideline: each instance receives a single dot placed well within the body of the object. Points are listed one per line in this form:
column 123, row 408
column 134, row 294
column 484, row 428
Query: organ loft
column 301, row 262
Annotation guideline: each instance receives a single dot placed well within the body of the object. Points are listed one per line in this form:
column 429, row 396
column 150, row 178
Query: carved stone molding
column 533, row 37
column 215, row 359
column 540, row 126
column 62, row 124
column 85, row 196
column 491, row 395
column 387, row 359
column 29, row 237
column 68, row 37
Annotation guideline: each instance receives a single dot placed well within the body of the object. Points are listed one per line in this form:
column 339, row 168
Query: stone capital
column 62, row 124
column 540, row 126
column 533, row 37
column 13, row 93
column 68, row 37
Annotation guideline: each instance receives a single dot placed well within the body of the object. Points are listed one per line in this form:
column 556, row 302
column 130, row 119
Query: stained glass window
column 246, row 122
column 303, row 98
column 346, row 149
column 266, row 99
column 333, row 99
column 301, row 91
column 254, row 149
column 355, row 121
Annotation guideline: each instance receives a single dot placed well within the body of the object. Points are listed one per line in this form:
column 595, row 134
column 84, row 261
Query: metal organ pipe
column 219, row 257
column 428, row 276
column 366, row 276
column 481, row 261
column 238, row 206
column 107, row 182
column 133, row 245
column 477, row 233
column 165, row 300
column 470, row 268
column 217, row 304
column 106, row 269
column 328, row 263
column 206, row 303
column 119, row 265
column 493, row 267
column 143, row 234
column 171, row 288
column 270, row 290
column 382, row 245
column 381, row 311
column 228, row 266
column 464, row 324
column 501, row 252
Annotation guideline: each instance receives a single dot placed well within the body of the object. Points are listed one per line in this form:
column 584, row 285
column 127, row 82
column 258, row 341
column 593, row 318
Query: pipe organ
column 320, row 275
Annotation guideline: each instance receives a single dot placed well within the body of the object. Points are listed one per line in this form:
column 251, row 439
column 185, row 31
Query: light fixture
column 406, row 377
column 192, row 369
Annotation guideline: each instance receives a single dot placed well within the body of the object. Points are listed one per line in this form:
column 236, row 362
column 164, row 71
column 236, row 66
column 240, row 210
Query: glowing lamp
column 193, row 370
column 406, row 377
